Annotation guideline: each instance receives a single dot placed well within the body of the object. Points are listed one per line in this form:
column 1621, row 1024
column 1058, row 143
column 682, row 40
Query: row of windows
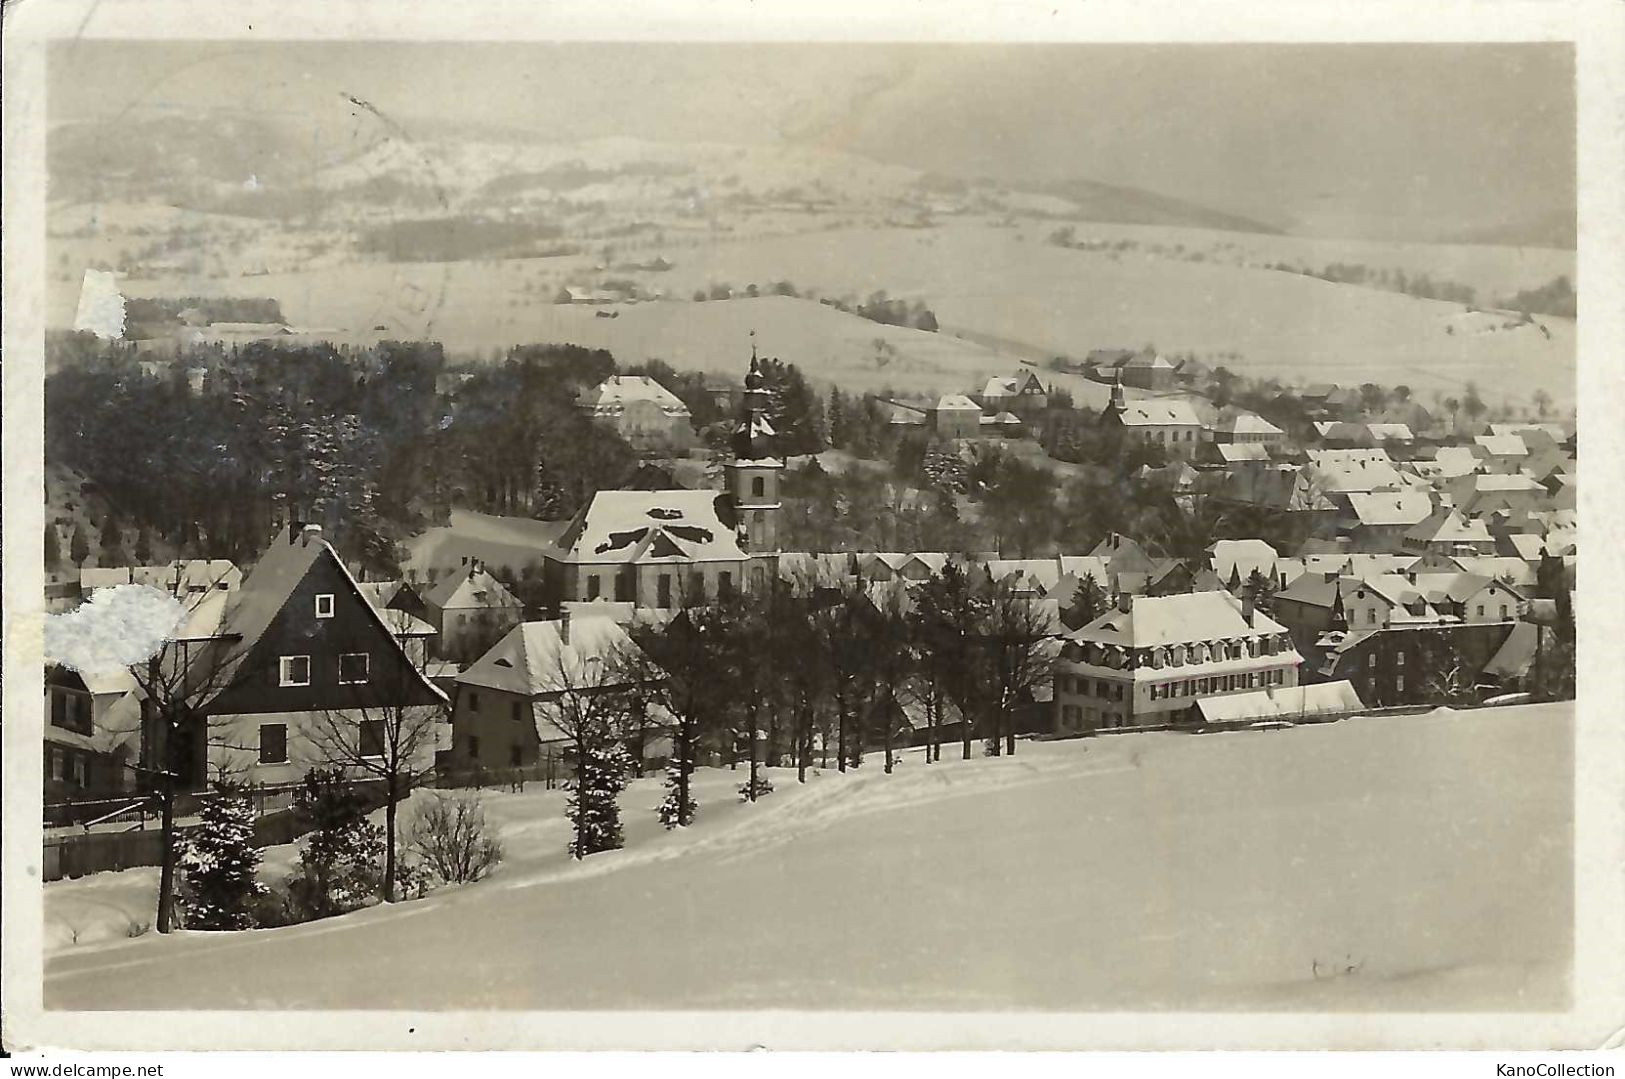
column 663, row 587
column 516, row 752
column 1086, row 686
column 66, row 766
column 1226, row 683
column 274, row 741
column 516, row 709
column 354, row 668
column 1074, row 716
column 1168, row 436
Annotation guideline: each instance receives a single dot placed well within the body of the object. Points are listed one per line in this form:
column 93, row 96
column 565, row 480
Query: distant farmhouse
column 1170, row 423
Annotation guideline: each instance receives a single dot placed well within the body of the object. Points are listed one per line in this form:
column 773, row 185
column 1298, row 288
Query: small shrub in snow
column 602, row 773
column 218, row 860
column 762, row 784
column 451, row 841
column 137, row 929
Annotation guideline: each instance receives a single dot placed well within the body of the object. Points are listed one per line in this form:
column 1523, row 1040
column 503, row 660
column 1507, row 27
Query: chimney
column 308, row 533
column 1247, row 608
column 564, row 625
column 1125, row 602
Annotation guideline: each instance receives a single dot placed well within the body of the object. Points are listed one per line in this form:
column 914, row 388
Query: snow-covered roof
column 1147, row 361
column 1241, row 557
column 533, row 658
column 1157, row 413
column 612, row 395
column 471, row 586
column 1237, row 452
column 1516, row 654
column 1457, row 460
column 626, row 526
column 1357, row 470
column 1391, row 507
column 1448, row 526
column 1390, row 432
column 1281, row 702
column 1503, row 445
column 1189, row 617
column 956, row 402
column 1247, row 423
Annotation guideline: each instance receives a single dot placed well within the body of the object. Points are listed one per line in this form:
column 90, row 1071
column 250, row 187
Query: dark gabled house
column 298, row 647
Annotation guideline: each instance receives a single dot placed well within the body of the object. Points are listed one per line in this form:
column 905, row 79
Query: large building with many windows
column 1149, row 660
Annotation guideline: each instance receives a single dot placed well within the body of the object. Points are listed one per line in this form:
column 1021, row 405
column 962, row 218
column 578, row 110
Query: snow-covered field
column 1418, row 862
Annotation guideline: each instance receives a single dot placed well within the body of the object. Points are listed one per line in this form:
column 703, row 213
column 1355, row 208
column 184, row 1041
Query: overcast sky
column 1372, row 139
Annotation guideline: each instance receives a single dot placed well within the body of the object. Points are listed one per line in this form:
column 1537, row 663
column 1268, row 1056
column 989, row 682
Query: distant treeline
column 157, row 311
column 1556, row 297
column 454, row 239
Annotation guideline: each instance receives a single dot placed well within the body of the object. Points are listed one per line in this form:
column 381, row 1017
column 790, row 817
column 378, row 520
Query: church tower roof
column 754, row 438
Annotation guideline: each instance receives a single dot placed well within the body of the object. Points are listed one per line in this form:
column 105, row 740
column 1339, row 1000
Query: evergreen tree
column 602, row 772
column 79, row 545
column 112, row 553
column 53, row 547
column 340, row 865
column 677, row 808
column 835, row 414
column 143, row 547
column 218, row 860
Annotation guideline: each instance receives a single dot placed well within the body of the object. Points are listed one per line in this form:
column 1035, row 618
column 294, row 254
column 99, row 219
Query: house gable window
column 372, row 738
column 273, row 743
column 324, row 605
column 354, row 667
column 592, row 586
column 514, row 709
column 293, row 671
column 473, row 702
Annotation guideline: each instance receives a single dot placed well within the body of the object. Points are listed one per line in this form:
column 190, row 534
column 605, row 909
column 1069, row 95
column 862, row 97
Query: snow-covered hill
column 1356, row 865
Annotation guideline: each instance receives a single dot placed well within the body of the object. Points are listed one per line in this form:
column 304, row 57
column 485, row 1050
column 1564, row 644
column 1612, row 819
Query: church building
column 676, row 548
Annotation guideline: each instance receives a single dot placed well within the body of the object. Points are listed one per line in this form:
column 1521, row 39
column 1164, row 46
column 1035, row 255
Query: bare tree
column 176, row 732
column 386, row 730
column 1017, row 638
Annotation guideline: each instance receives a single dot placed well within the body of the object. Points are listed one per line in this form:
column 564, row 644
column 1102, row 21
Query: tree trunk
column 752, row 787
column 840, row 735
column 891, row 727
column 1009, row 735
column 389, row 836
column 581, row 801
column 166, row 874
column 684, row 766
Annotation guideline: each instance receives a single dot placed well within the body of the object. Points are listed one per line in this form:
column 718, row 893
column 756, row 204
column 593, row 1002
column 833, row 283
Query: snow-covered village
column 622, row 552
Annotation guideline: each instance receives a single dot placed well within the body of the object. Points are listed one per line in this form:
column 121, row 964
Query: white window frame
column 283, row 675
column 325, row 610
column 366, row 663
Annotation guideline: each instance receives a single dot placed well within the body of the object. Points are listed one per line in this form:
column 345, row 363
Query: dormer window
column 324, row 605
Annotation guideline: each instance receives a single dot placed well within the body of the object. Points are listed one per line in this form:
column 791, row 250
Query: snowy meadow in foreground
column 1362, row 864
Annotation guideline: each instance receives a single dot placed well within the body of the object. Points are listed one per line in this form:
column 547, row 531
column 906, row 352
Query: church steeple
column 754, row 467
column 753, row 437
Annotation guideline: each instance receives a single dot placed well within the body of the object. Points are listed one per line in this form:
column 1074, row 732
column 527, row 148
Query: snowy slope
column 1355, row 865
